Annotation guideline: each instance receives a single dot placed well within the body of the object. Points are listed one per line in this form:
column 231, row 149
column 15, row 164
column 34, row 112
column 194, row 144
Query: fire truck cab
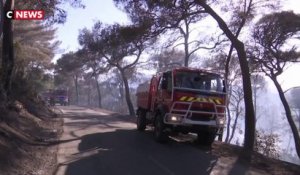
column 183, row 100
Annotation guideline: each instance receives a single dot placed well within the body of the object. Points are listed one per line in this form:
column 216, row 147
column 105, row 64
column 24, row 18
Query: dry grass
column 25, row 131
column 260, row 164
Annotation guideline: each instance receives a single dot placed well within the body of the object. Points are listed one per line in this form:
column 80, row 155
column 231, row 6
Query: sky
column 78, row 18
column 106, row 12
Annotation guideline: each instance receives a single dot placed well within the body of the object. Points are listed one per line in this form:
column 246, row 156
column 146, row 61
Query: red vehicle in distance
column 59, row 96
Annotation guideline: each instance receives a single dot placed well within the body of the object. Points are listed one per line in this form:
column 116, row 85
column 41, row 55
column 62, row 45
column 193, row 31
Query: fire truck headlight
column 221, row 121
column 174, row 118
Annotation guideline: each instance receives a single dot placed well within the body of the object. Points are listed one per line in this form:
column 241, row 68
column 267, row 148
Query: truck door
column 165, row 88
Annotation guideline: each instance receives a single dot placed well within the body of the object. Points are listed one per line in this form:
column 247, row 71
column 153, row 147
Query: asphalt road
column 100, row 142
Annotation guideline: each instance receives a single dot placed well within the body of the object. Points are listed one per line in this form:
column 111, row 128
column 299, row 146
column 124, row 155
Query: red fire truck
column 183, row 100
column 56, row 96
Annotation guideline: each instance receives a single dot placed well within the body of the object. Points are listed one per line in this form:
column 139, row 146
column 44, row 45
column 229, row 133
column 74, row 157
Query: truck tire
column 141, row 120
column 206, row 138
column 159, row 134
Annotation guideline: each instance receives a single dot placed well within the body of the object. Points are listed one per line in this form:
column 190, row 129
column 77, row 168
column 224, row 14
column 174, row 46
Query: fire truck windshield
column 198, row 80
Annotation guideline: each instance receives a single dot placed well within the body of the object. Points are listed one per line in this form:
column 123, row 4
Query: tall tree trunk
column 255, row 103
column 243, row 22
column 122, row 96
column 127, row 93
column 249, row 136
column 98, row 92
column 89, row 95
column 7, row 52
column 249, row 109
column 186, row 51
column 227, row 63
column 186, row 36
column 234, row 126
column 288, row 115
column 228, row 124
column 76, row 89
column 121, row 90
column 228, row 58
column 255, row 97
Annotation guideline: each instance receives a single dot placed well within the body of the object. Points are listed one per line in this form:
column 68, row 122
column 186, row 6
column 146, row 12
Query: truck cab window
column 200, row 81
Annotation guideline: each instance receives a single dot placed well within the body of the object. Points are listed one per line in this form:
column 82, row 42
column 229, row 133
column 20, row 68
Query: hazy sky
column 106, row 12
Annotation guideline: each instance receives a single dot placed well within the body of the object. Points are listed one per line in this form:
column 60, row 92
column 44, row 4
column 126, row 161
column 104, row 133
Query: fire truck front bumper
column 179, row 120
column 189, row 115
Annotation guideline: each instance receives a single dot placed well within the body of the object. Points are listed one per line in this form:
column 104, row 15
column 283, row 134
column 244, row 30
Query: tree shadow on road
column 241, row 166
column 133, row 152
column 82, row 122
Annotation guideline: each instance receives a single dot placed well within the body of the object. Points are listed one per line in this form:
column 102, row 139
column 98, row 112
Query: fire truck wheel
column 159, row 134
column 141, row 120
column 206, row 138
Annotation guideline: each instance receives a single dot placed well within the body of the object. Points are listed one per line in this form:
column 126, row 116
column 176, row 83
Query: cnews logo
column 25, row 14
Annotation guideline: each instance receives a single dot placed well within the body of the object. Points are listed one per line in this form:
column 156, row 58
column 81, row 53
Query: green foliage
column 92, row 63
column 114, row 41
column 173, row 18
column 161, row 15
column 68, row 64
column 30, row 85
column 34, row 45
column 275, row 29
column 271, row 35
column 53, row 14
column 69, row 71
column 68, row 67
column 34, row 50
column 272, row 52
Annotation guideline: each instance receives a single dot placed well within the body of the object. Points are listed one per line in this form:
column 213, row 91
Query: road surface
column 98, row 142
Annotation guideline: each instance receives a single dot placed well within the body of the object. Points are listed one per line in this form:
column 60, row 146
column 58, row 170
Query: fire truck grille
column 207, row 109
column 202, row 117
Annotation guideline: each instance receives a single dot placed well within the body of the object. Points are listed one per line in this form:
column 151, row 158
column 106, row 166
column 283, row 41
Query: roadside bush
column 266, row 144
